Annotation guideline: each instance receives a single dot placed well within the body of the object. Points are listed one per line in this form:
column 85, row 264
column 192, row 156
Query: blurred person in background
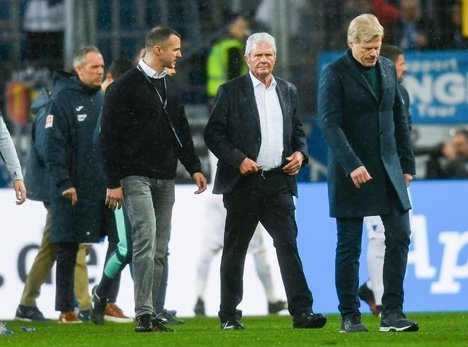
column 10, row 158
column 225, row 60
column 413, row 31
column 457, row 156
column 119, row 252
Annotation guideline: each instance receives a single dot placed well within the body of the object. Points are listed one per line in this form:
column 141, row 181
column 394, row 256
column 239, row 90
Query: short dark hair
column 158, row 36
column 390, row 52
column 119, row 67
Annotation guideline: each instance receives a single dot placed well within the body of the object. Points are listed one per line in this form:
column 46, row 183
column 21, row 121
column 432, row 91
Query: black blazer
column 361, row 129
column 233, row 130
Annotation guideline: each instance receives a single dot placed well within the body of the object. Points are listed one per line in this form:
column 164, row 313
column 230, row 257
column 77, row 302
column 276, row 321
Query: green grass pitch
column 436, row 329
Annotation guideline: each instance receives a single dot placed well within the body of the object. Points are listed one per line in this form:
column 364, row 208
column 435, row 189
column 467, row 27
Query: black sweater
column 136, row 138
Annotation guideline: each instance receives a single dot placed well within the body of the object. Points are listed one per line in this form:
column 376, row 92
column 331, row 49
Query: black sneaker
column 309, row 321
column 367, row 295
column 199, row 308
column 85, row 315
column 232, row 324
column 144, row 324
column 158, row 325
column 277, row 306
column 99, row 306
column 169, row 317
column 397, row 322
column 29, row 314
column 352, row 324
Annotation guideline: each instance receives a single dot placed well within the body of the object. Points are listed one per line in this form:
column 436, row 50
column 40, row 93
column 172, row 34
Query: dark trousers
column 348, row 250
column 65, row 272
column 267, row 200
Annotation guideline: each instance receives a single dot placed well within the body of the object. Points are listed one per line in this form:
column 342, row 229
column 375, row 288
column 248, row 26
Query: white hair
column 254, row 39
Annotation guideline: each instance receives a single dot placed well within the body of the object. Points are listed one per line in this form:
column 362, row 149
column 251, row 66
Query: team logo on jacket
column 49, row 121
column 81, row 117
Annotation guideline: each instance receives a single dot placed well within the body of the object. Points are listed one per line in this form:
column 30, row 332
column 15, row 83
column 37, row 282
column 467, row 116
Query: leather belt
column 269, row 173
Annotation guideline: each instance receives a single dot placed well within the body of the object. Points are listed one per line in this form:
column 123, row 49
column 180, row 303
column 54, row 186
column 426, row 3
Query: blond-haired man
column 370, row 164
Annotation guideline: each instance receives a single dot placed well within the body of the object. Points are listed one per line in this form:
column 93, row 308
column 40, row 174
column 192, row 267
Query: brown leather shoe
column 68, row 317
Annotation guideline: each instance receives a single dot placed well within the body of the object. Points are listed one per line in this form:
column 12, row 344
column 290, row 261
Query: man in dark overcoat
column 370, row 164
column 77, row 183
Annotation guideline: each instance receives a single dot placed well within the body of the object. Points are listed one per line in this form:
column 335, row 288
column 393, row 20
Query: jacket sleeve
column 187, row 154
column 298, row 138
column 8, row 152
column 217, row 129
column 402, row 133
column 330, row 113
column 111, row 135
column 59, row 152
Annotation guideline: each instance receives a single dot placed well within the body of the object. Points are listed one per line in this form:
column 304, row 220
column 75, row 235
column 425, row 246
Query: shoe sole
column 23, row 319
column 118, row 320
column 408, row 328
column 77, row 322
column 317, row 325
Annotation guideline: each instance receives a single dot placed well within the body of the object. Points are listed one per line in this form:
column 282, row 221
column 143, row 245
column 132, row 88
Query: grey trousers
column 149, row 205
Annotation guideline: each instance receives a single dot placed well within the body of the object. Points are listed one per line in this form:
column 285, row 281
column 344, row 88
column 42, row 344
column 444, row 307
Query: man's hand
column 360, row 176
column 248, row 166
column 114, row 198
column 20, row 191
column 294, row 163
column 408, row 179
column 201, row 182
column 71, row 195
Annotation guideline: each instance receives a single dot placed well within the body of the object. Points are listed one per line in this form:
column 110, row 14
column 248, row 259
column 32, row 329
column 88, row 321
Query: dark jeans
column 348, row 250
column 270, row 202
column 65, row 272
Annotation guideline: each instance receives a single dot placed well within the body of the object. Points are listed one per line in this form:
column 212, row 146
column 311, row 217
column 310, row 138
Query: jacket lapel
column 250, row 98
column 282, row 97
column 356, row 73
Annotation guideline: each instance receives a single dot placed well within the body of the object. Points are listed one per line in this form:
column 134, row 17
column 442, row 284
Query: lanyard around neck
column 164, row 104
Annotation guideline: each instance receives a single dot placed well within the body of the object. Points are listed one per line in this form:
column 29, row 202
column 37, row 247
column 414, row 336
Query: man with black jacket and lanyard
column 144, row 131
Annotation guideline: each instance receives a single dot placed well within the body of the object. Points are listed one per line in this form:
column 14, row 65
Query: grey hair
column 79, row 58
column 254, row 39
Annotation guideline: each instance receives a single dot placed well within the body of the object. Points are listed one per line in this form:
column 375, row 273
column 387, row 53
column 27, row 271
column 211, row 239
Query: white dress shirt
column 150, row 71
column 271, row 124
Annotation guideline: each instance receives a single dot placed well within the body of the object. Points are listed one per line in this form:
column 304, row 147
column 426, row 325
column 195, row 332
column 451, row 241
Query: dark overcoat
column 73, row 161
column 233, row 130
column 363, row 129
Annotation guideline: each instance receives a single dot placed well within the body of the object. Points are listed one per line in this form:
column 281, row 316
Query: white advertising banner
column 21, row 230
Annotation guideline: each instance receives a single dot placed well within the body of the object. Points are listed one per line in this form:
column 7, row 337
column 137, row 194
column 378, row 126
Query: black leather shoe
column 397, row 322
column 144, row 324
column 352, row 324
column 309, row 321
column 232, row 324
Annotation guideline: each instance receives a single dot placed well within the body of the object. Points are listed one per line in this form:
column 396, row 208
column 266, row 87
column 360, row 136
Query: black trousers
column 267, row 200
column 65, row 272
column 348, row 250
